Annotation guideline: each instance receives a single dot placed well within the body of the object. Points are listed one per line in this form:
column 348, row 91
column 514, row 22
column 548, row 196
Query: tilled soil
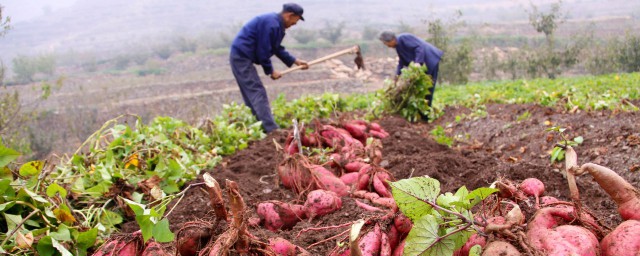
column 511, row 141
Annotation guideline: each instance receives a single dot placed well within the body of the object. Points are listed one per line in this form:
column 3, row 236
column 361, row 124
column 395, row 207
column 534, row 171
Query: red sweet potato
column 192, row 237
column 402, row 223
column 385, row 246
column 548, row 200
column 154, row 249
column 544, row 233
column 501, row 248
column 279, row 215
column 367, row 207
column 375, row 126
column 377, row 134
column 350, row 178
column 623, row 241
column 626, row 196
column 475, row 239
column 321, row 202
column 125, row 245
column 532, row 187
column 357, row 131
column 329, row 181
column 354, row 166
column 399, row 250
column 283, row 247
column 380, row 187
column 370, row 243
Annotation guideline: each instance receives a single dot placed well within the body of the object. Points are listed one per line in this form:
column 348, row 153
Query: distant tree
column 4, row 23
column 628, row 53
column 405, row 28
column 456, row 64
column 550, row 59
column 303, row 36
column 4, row 27
column 26, row 68
column 332, row 32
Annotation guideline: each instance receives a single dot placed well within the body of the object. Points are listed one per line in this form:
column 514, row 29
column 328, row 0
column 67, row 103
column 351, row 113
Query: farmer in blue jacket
column 255, row 44
column 411, row 48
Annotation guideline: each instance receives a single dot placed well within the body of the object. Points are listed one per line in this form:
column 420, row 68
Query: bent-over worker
column 410, row 48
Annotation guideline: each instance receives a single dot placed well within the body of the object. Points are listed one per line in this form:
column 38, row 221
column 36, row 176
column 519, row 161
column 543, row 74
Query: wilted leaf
column 64, row 216
column 132, row 160
column 24, row 241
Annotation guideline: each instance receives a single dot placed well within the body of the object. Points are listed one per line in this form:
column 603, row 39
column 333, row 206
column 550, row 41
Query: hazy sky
column 23, row 10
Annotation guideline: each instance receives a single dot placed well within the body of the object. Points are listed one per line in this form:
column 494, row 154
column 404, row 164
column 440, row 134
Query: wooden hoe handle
column 354, row 49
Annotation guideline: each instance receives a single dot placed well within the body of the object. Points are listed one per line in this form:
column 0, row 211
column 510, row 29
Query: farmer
column 256, row 42
column 411, row 48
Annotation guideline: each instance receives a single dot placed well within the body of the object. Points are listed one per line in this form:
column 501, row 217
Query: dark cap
column 294, row 8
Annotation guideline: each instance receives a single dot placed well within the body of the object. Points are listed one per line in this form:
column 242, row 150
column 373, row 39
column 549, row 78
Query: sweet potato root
column 321, row 202
column 623, row 241
column 154, row 249
column 283, row 247
column 277, row 215
column 626, row 196
column 501, row 248
column 545, row 234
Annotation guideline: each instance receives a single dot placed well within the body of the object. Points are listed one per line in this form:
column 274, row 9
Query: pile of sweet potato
column 351, row 169
column 520, row 220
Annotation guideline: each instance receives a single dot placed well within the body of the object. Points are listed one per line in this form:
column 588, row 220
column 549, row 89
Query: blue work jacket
column 260, row 39
column 411, row 48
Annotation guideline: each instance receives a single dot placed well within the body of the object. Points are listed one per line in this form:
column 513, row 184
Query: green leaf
column 32, row 168
column 146, row 226
column 55, row 188
column 109, row 218
column 45, row 246
column 137, row 208
column 423, row 236
column 6, row 205
column 62, row 234
column 6, row 189
column 87, row 239
column 7, row 155
column 161, row 231
column 12, row 220
column 578, row 139
column 411, row 194
column 34, row 196
column 479, row 194
column 63, row 250
column 5, row 173
column 476, row 250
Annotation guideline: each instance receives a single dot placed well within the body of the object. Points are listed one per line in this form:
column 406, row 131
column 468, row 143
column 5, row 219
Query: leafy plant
column 441, row 137
column 34, row 206
column 442, row 223
column 407, row 96
column 557, row 154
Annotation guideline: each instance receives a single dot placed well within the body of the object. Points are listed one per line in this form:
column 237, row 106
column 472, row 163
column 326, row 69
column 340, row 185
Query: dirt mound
column 504, row 143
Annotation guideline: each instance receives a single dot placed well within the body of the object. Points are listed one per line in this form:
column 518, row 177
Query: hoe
column 355, row 49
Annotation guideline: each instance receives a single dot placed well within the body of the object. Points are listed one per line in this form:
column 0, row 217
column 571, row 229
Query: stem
column 182, row 194
column 18, row 227
column 36, row 210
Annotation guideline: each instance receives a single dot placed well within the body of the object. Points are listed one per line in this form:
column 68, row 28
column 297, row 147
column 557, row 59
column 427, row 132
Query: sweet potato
column 545, row 234
column 377, row 134
column 475, row 239
column 370, row 243
column 532, row 187
column 350, row 178
column 402, row 223
column 354, row 166
column 626, row 196
column 357, row 131
column 380, row 187
column 367, row 207
column 376, row 127
column 548, row 200
column 329, row 181
column 385, row 246
column 501, row 248
column 623, row 241
column 279, row 215
column 192, row 237
column 283, row 247
column 399, row 250
column 124, row 245
column 321, row 202
column 154, row 249
column 394, row 236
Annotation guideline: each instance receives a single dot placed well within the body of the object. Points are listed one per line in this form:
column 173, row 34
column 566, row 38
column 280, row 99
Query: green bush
column 25, row 68
column 370, row 33
column 628, row 56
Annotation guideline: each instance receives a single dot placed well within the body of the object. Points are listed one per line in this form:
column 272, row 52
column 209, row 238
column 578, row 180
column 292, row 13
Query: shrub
column 370, row 33
column 304, row 36
column 332, row 32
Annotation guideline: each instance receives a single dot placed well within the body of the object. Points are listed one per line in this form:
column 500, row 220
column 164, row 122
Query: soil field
column 497, row 145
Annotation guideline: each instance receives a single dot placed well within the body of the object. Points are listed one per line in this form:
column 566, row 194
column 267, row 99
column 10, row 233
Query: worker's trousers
column 253, row 92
